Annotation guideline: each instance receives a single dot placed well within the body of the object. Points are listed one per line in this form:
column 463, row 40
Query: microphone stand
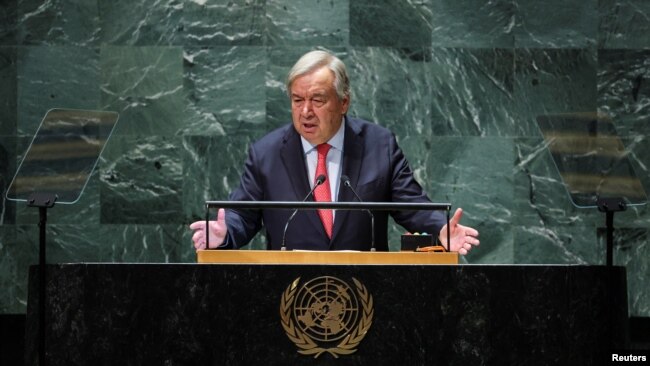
column 319, row 180
column 346, row 182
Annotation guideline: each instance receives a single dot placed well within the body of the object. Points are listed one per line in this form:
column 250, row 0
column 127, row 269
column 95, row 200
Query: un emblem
column 326, row 315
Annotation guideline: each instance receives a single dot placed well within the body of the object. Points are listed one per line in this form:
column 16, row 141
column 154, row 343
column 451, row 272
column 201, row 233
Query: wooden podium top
column 323, row 257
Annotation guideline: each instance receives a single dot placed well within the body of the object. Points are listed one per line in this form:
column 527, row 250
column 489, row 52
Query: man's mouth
column 309, row 126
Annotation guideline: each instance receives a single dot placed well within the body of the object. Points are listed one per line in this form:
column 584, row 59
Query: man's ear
column 345, row 104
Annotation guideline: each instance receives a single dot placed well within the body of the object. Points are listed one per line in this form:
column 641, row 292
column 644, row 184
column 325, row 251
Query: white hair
column 314, row 60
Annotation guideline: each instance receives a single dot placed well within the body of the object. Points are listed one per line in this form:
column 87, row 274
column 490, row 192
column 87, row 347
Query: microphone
column 346, row 182
column 319, row 180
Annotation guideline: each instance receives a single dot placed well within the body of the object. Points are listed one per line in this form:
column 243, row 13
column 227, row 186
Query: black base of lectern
column 121, row 314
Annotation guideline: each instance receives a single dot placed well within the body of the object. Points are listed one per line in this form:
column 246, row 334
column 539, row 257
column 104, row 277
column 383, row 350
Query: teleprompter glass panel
column 62, row 154
column 591, row 159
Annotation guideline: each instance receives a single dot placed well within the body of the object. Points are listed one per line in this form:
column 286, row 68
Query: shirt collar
column 336, row 141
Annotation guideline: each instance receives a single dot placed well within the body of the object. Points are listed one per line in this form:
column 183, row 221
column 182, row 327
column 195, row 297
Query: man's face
column 316, row 110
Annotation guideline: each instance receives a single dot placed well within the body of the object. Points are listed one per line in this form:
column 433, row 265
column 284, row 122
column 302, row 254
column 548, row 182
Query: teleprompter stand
column 593, row 164
column 610, row 206
column 43, row 202
column 56, row 169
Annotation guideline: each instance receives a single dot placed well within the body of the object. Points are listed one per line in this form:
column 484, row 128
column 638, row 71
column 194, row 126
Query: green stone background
column 459, row 81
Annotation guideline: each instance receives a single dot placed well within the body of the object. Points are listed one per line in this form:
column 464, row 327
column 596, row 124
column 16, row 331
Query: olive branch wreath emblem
column 306, row 344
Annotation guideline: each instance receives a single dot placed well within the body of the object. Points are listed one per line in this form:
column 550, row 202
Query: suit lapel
column 352, row 157
column 294, row 163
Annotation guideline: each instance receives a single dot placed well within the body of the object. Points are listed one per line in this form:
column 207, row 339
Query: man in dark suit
column 324, row 142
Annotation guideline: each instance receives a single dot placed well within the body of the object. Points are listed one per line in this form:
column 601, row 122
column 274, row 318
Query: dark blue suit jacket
column 276, row 171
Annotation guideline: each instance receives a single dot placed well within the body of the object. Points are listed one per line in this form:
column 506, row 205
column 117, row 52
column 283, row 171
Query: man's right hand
column 217, row 230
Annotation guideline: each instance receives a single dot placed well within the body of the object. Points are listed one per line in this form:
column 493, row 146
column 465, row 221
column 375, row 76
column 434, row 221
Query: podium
column 328, row 314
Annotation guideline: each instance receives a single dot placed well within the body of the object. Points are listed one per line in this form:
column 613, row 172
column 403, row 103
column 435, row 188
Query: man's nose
column 307, row 107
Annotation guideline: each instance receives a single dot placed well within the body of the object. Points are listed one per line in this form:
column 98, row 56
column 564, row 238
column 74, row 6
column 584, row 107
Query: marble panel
column 390, row 87
column 7, row 171
column 8, row 18
column 540, row 196
column 84, row 211
column 170, row 22
column 212, row 167
column 118, row 244
column 325, row 23
column 624, row 90
column 556, row 24
column 624, row 24
column 391, row 23
column 58, row 22
column 8, row 90
column 557, row 244
column 472, row 92
column 473, row 23
column 55, row 76
column 141, row 180
column 225, row 90
column 475, row 173
column 552, row 81
column 19, row 248
column 144, row 85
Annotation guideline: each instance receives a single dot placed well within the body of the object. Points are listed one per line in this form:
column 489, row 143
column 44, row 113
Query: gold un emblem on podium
column 326, row 314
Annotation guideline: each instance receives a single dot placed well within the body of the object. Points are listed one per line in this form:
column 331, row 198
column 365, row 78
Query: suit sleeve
column 243, row 225
column 404, row 188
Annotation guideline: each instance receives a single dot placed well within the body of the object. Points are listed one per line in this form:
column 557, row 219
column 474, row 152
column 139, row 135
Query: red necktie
column 322, row 192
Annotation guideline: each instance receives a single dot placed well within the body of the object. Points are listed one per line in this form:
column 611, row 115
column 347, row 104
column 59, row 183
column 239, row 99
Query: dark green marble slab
column 198, row 22
column 623, row 24
column 390, row 87
column 224, row 89
column 307, row 22
column 19, row 249
column 55, row 76
column 8, row 90
column 541, row 198
column 58, row 22
column 141, row 180
column 8, row 19
column 7, row 171
column 624, row 90
column 144, row 85
column 557, row 244
column 473, row 92
column 473, row 23
column 212, row 166
column 119, row 243
column 556, row 24
column 390, row 23
column 549, row 81
column 475, row 173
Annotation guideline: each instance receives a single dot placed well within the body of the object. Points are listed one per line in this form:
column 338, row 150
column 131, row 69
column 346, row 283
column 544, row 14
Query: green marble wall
column 459, row 81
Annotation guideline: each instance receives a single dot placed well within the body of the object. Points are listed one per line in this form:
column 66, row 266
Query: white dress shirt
column 334, row 161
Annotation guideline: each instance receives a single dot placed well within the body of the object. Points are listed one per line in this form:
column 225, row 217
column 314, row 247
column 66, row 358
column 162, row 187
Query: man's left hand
column 463, row 238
